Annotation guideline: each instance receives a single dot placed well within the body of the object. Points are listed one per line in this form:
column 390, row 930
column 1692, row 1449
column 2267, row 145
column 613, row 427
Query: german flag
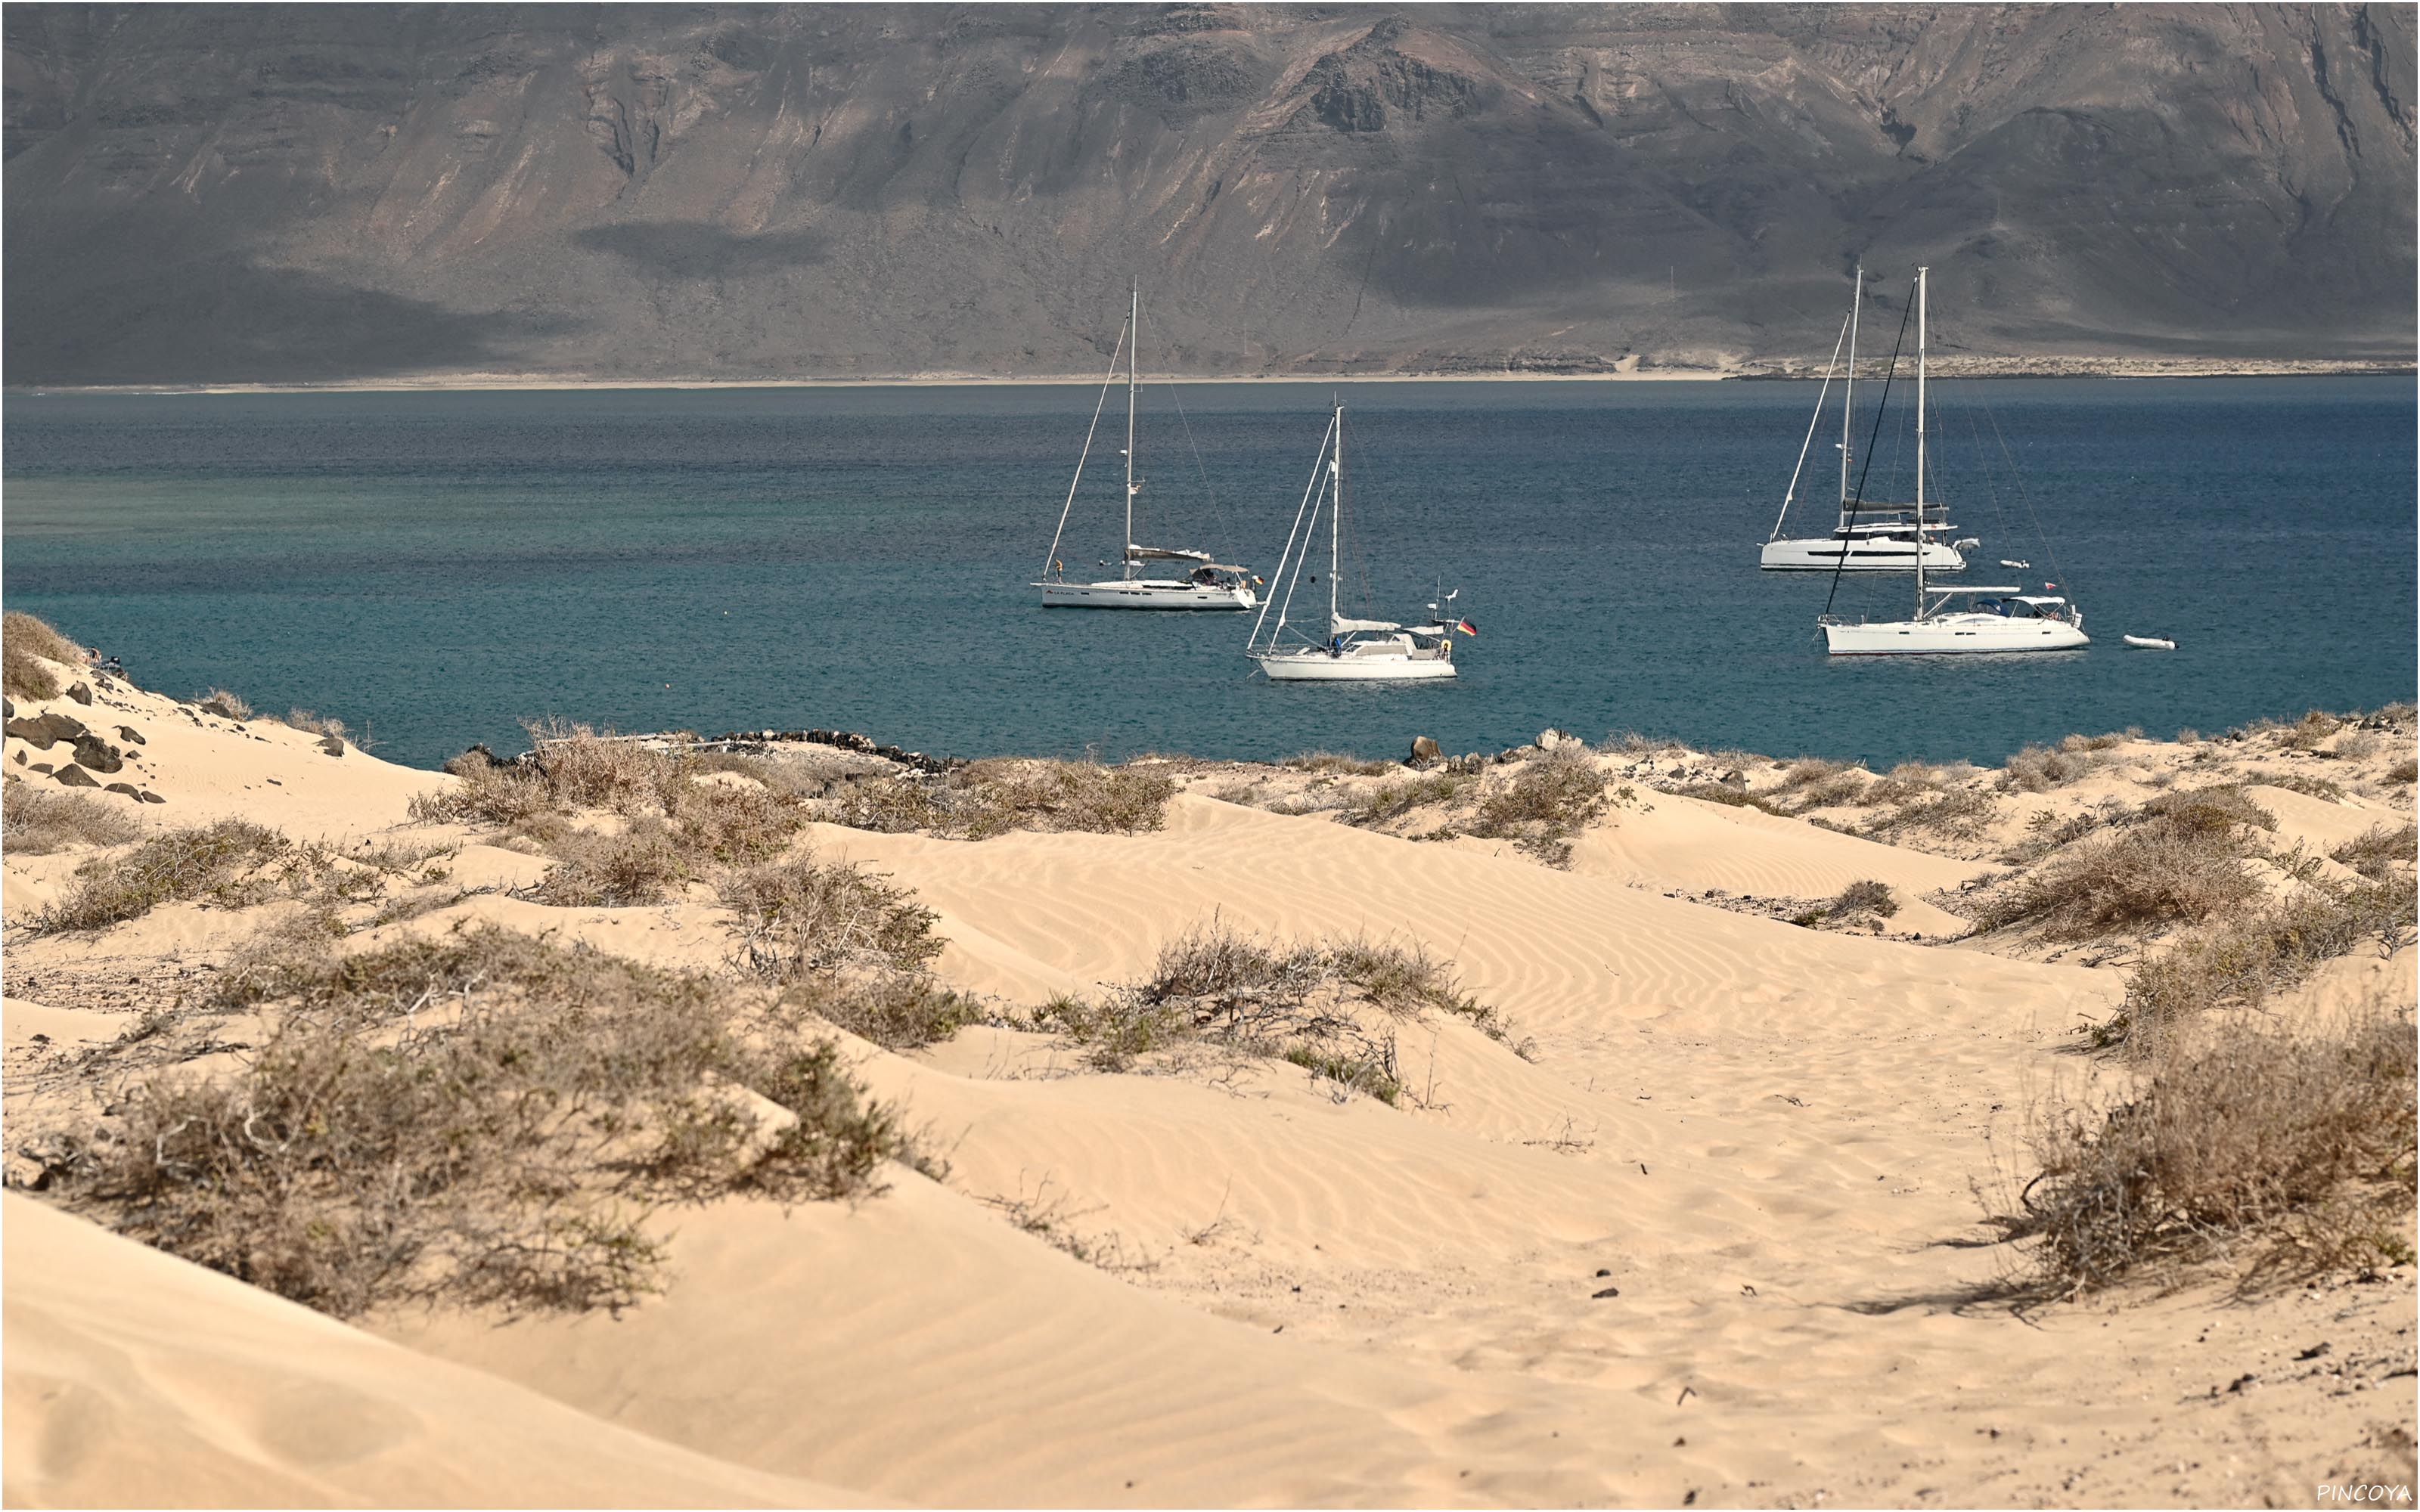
column 1466, row 627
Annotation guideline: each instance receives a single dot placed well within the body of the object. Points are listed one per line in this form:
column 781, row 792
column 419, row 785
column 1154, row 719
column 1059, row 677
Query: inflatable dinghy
column 2150, row 642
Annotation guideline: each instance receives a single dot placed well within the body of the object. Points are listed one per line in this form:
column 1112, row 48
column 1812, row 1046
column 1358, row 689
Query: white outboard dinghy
column 2150, row 642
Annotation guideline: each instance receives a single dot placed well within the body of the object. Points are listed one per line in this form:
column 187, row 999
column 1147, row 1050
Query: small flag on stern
column 1466, row 627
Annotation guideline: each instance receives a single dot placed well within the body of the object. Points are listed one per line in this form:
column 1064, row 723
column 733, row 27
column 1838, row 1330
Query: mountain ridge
column 213, row 194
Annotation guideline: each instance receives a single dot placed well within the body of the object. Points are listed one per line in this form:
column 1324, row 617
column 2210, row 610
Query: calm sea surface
column 435, row 567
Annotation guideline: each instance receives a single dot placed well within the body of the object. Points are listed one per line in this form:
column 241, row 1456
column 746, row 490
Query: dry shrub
column 2374, row 850
column 1957, row 812
column 1810, row 771
column 896, row 1009
column 2406, row 770
column 1834, row 791
column 34, row 822
column 993, row 798
column 1723, row 793
column 802, row 918
column 584, row 770
column 216, row 863
column 1549, row 800
column 2355, row 746
column 2239, row 960
column 2289, row 1146
column 2307, row 732
column 486, row 1118
column 569, row 767
column 2214, row 811
column 1331, row 763
column 1631, row 743
column 2157, row 871
column 1866, row 896
column 23, row 638
column 1062, row 796
column 310, row 723
column 1392, row 800
column 890, row 805
column 226, row 705
column 1297, row 1003
column 1906, row 782
column 2040, row 768
column 732, row 826
column 1405, row 981
column 2078, row 744
column 2316, row 787
column 645, row 863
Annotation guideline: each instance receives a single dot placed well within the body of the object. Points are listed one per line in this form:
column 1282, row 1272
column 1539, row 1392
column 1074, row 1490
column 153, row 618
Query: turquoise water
column 436, row 568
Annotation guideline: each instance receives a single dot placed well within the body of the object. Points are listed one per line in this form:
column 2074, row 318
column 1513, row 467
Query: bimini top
column 2037, row 598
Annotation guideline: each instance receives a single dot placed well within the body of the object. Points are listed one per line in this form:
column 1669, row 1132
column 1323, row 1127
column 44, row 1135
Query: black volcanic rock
column 272, row 193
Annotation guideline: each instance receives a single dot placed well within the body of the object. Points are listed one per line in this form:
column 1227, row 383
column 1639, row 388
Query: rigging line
column 1072, row 483
column 2025, row 496
column 1857, row 498
column 1811, row 420
column 1200, row 471
column 1299, row 511
column 1984, row 460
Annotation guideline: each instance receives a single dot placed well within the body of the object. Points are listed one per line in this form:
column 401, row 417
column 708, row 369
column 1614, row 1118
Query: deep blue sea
column 435, row 567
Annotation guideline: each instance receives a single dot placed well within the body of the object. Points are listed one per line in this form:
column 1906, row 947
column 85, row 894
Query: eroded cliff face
column 201, row 194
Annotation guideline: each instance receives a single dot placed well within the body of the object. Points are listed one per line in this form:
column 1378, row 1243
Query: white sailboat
column 1869, row 537
column 2016, row 622
column 1211, row 584
column 1353, row 650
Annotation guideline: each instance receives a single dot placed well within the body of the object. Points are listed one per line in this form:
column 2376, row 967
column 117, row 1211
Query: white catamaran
column 1353, row 651
column 1210, row 585
column 2018, row 622
column 1869, row 537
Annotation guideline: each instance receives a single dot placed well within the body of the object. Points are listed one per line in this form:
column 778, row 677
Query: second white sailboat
column 2017, row 621
column 1211, row 584
column 1353, row 650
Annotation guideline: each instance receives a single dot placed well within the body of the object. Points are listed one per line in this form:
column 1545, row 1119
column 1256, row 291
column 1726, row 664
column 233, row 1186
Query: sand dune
column 136, row 1378
column 1703, row 1230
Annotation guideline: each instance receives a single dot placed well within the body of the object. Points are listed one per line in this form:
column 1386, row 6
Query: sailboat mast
column 1920, row 537
column 1849, row 390
column 1134, row 330
column 1336, row 520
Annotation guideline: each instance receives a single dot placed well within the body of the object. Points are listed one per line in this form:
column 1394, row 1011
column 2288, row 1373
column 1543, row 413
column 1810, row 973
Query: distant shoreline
column 1952, row 367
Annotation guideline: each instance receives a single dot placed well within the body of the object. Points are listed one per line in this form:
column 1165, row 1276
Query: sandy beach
column 1670, row 1186
column 1628, row 370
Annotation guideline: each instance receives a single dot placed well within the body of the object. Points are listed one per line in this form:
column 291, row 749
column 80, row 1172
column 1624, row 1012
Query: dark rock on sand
column 74, row 777
column 96, row 753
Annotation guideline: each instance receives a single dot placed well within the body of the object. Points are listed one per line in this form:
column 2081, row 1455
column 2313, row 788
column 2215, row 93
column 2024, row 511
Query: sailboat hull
column 1952, row 635
column 1141, row 592
column 1313, row 664
column 1831, row 555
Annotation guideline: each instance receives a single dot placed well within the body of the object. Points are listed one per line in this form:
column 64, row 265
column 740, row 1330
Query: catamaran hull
column 1144, row 593
column 1825, row 554
column 1319, row 667
column 1952, row 635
